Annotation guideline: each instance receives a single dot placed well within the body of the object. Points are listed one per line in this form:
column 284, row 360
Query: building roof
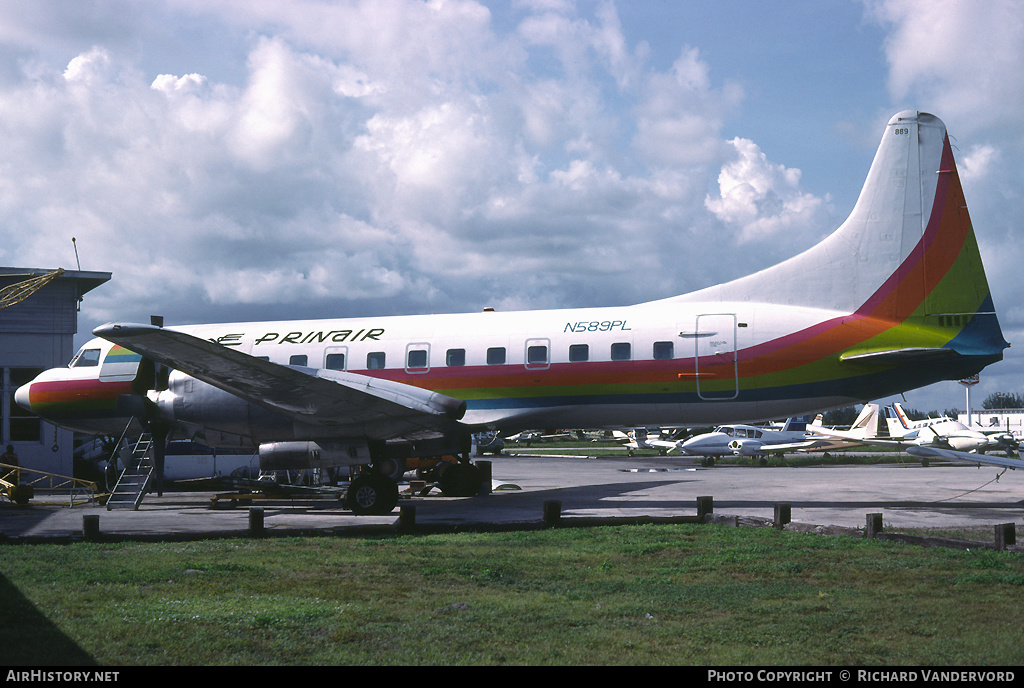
column 85, row 280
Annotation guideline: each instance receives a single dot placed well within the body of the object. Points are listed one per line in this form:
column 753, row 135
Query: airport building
column 38, row 322
column 1008, row 420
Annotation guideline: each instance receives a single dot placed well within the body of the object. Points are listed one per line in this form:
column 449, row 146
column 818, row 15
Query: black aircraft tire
column 461, row 480
column 371, row 495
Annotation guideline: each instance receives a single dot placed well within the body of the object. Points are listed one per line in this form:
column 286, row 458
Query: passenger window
column 496, row 355
column 375, row 360
column 86, row 358
column 536, row 355
column 335, row 362
column 455, row 357
column 620, row 351
column 579, row 353
column 298, row 360
column 663, row 351
column 416, row 358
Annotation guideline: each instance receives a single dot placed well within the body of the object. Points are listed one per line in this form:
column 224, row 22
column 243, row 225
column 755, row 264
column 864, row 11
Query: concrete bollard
column 783, row 515
column 873, row 526
column 1006, row 534
column 256, row 521
column 705, row 506
column 552, row 513
column 485, row 475
column 91, row 527
column 407, row 518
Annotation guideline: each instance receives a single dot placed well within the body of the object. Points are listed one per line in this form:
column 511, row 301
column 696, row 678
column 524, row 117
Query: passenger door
column 715, row 351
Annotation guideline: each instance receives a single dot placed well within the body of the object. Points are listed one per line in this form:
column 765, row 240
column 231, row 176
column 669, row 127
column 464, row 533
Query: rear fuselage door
column 715, row 351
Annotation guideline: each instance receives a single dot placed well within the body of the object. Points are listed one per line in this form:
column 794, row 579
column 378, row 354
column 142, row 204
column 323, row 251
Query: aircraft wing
column 816, row 444
column 895, row 445
column 348, row 403
column 930, row 452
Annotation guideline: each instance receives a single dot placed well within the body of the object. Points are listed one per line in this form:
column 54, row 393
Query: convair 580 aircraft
column 895, row 299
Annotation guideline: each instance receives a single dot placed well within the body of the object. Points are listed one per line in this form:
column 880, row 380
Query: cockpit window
column 85, row 358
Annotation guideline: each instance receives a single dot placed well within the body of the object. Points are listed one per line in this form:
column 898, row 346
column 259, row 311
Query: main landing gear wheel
column 371, row 494
column 461, row 480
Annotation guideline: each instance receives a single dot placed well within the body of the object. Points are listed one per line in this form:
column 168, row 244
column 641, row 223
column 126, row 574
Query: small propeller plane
column 639, row 439
column 945, row 431
column 795, row 435
column 740, row 440
column 943, row 438
column 896, row 298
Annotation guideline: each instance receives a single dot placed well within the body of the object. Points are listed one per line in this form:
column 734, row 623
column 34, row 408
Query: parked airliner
column 896, row 298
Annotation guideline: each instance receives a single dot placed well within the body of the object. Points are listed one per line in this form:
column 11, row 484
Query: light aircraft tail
column 868, row 423
column 904, row 268
column 897, row 421
column 795, row 424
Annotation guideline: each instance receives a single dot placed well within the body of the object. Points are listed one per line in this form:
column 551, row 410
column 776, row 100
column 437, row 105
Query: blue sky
column 231, row 160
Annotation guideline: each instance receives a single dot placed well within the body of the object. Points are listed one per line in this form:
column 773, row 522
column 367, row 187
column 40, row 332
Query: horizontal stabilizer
column 894, row 356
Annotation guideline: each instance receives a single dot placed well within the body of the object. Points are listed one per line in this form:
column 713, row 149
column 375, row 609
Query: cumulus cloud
column 762, row 199
column 679, row 119
column 395, row 156
column 958, row 57
column 978, row 163
column 88, row 68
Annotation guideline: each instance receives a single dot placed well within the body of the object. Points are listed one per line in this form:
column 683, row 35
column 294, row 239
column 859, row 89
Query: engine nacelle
column 746, row 447
column 192, row 402
column 285, row 456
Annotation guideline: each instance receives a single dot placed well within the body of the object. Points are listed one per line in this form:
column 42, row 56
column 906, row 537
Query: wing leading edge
column 338, row 402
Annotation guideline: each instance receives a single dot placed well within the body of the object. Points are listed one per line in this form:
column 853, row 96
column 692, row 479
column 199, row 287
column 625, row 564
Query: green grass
column 679, row 594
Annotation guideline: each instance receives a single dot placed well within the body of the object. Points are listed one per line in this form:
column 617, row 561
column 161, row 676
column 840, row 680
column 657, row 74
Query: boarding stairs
column 131, row 487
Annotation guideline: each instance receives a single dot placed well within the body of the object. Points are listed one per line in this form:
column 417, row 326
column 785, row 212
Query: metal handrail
column 13, row 476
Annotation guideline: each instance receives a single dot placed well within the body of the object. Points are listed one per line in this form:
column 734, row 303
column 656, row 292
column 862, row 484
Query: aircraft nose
column 21, row 397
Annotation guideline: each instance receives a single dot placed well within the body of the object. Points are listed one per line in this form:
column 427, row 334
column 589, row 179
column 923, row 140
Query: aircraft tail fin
column 795, row 424
column 897, row 421
column 905, row 266
column 867, row 423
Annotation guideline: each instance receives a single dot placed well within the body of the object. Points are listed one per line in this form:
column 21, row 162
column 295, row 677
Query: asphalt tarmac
column 587, row 490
